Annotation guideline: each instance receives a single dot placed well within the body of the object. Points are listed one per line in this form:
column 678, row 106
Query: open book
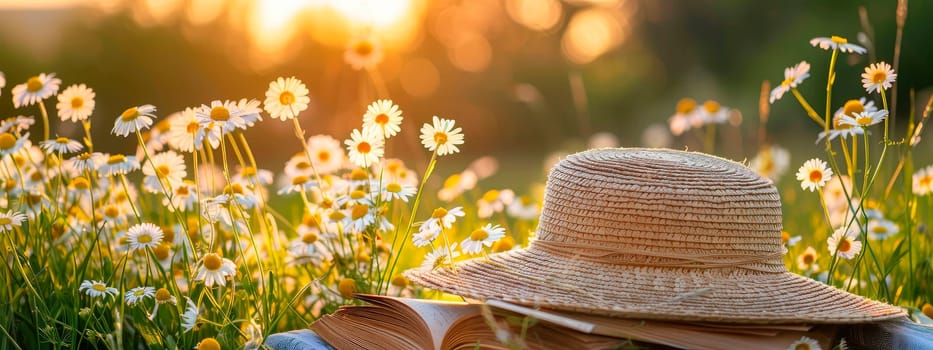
column 398, row 323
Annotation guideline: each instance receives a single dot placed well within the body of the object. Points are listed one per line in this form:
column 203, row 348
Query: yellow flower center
column 347, row 287
column 840, row 126
column 139, row 292
column 927, row 310
column 209, row 344
column 99, row 287
column 163, row 170
column 357, row 194
column 393, row 166
column 323, row 156
column 490, row 196
column 864, row 120
column 192, row 127
column 439, row 213
column 785, row 237
column 363, row 48
column 479, row 235
column 182, row 191
column 803, row 346
column 686, row 105
column 852, row 107
column 161, row 251
column 220, row 113
column 286, row 98
column 34, row 84
column 336, row 216
column 452, row 181
column 77, row 102
column 440, row 138
column 62, row 140
column 788, row 81
column 116, row 159
column 364, row 147
column 845, row 245
column 925, row 181
column 130, row 114
column 526, row 201
column 5, row 221
column 879, row 76
column 144, row 238
column 400, row 281
column 302, row 165
column 80, row 183
column 234, row 188
column 358, row 174
column 394, row 187
column 838, row 40
column 359, row 211
column 808, row 259
column 300, row 179
column 248, row 171
column 711, row 106
column 111, row 211
column 816, row 175
column 35, row 176
column 880, row 229
column 7, row 141
column 502, row 245
column 381, row 119
column 213, row 262
column 309, row 238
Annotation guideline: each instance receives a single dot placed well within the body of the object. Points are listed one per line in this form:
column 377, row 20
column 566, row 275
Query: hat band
column 620, row 255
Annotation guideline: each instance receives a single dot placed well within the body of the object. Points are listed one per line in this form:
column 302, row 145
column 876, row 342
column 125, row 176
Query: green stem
column 806, row 106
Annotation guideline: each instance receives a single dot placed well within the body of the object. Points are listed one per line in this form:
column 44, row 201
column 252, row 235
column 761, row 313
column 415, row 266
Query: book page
column 437, row 315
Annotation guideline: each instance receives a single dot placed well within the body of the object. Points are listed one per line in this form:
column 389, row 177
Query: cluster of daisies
column 690, row 115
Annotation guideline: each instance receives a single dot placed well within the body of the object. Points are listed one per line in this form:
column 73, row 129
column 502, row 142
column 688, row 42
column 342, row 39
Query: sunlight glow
column 378, row 13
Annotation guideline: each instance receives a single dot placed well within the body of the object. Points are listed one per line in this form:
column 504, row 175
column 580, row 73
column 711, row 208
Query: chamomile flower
column 441, row 136
column 97, row 289
column 493, row 201
column 76, row 103
column 144, row 235
column 425, row 235
column 788, row 240
column 363, row 53
column 35, row 89
column 241, row 194
column 793, row 76
column 840, row 130
column 298, row 183
column 365, row 148
column 167, row 165
column 186, row 134
column 395, row 190
column 384, row 116
column 854, row 106
column 480, row 237
column 17, row 124
column 162, row 296
column 359, row 217
column 864, row 119
column 806, row 261
column 224, row 116
column 440, row 257
column 837, row 43
column 138, row 294
column 214, row 269
column 249, row 111
column 251, row 175
column 286, row 98
column 713, row 112
column 309, row 248
column 10, row 144
column 879, row 229
column 185, row 196
column 444, row 218
column 118, row 164
column 456, row 184
column 11, row 219
column 814, row 174
column 524, row 208
column 843, row 243
column 923, row 181
column 805, row 343
column 683, row 118
column 190, row 318
column 326, row 154
column 61, row 145
column 877, row 77
column 133, row 119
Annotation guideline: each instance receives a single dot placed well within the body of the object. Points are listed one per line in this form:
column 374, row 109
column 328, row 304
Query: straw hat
column 657, row 234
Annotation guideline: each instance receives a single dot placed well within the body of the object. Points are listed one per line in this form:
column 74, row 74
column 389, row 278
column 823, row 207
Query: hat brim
column 536, row 278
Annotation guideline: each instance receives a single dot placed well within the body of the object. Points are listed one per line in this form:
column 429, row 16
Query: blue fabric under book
column 297, row 340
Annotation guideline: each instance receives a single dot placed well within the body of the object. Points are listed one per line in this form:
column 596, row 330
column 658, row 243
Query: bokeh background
column 525, row 78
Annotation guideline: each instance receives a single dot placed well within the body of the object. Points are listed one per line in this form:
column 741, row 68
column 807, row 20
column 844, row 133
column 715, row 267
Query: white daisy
column 877, row 77
column 395, row 190
column 286, row 98
column 35, row 89
column 242, row 194
column 214, row 269
column 250, row 111
column 358, row 218
column 713, row 112
column 864, row 119
column 814, row 174
column 97, row 289
column 806, row 261
column 837, row 43
column 879, row 229
column 309, row 248
column 299, row 183
column 61, row 145
column 167, row 165
column 456, row 184
column 186, row 134
column 10, row 219
column 118, row 164
column 682, row 120
column 138, row 294
column 384, row 116
column 326, row 154
column 923, row 181
column 190, row 317
column 76, row 103
column 10, row 144
column 441, row 137
column 793, row 76
column 844, row 243
column 804, row 343
column 144, row 235
column 363, row 52
column 251, row 175
column 133, row 119
column 365, row 148
column 17, row 124
column 224, row 116
column 855, row 106
column 444, row 218
column 484, row 236
column 840, row 130
column 524, row 208
column 85, row 162
column 493, row 201
column 440, row 257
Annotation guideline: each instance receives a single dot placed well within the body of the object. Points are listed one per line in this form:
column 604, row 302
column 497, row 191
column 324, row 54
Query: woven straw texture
column 657, row 234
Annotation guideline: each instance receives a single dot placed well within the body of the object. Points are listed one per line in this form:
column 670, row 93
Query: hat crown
column 663, row 208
